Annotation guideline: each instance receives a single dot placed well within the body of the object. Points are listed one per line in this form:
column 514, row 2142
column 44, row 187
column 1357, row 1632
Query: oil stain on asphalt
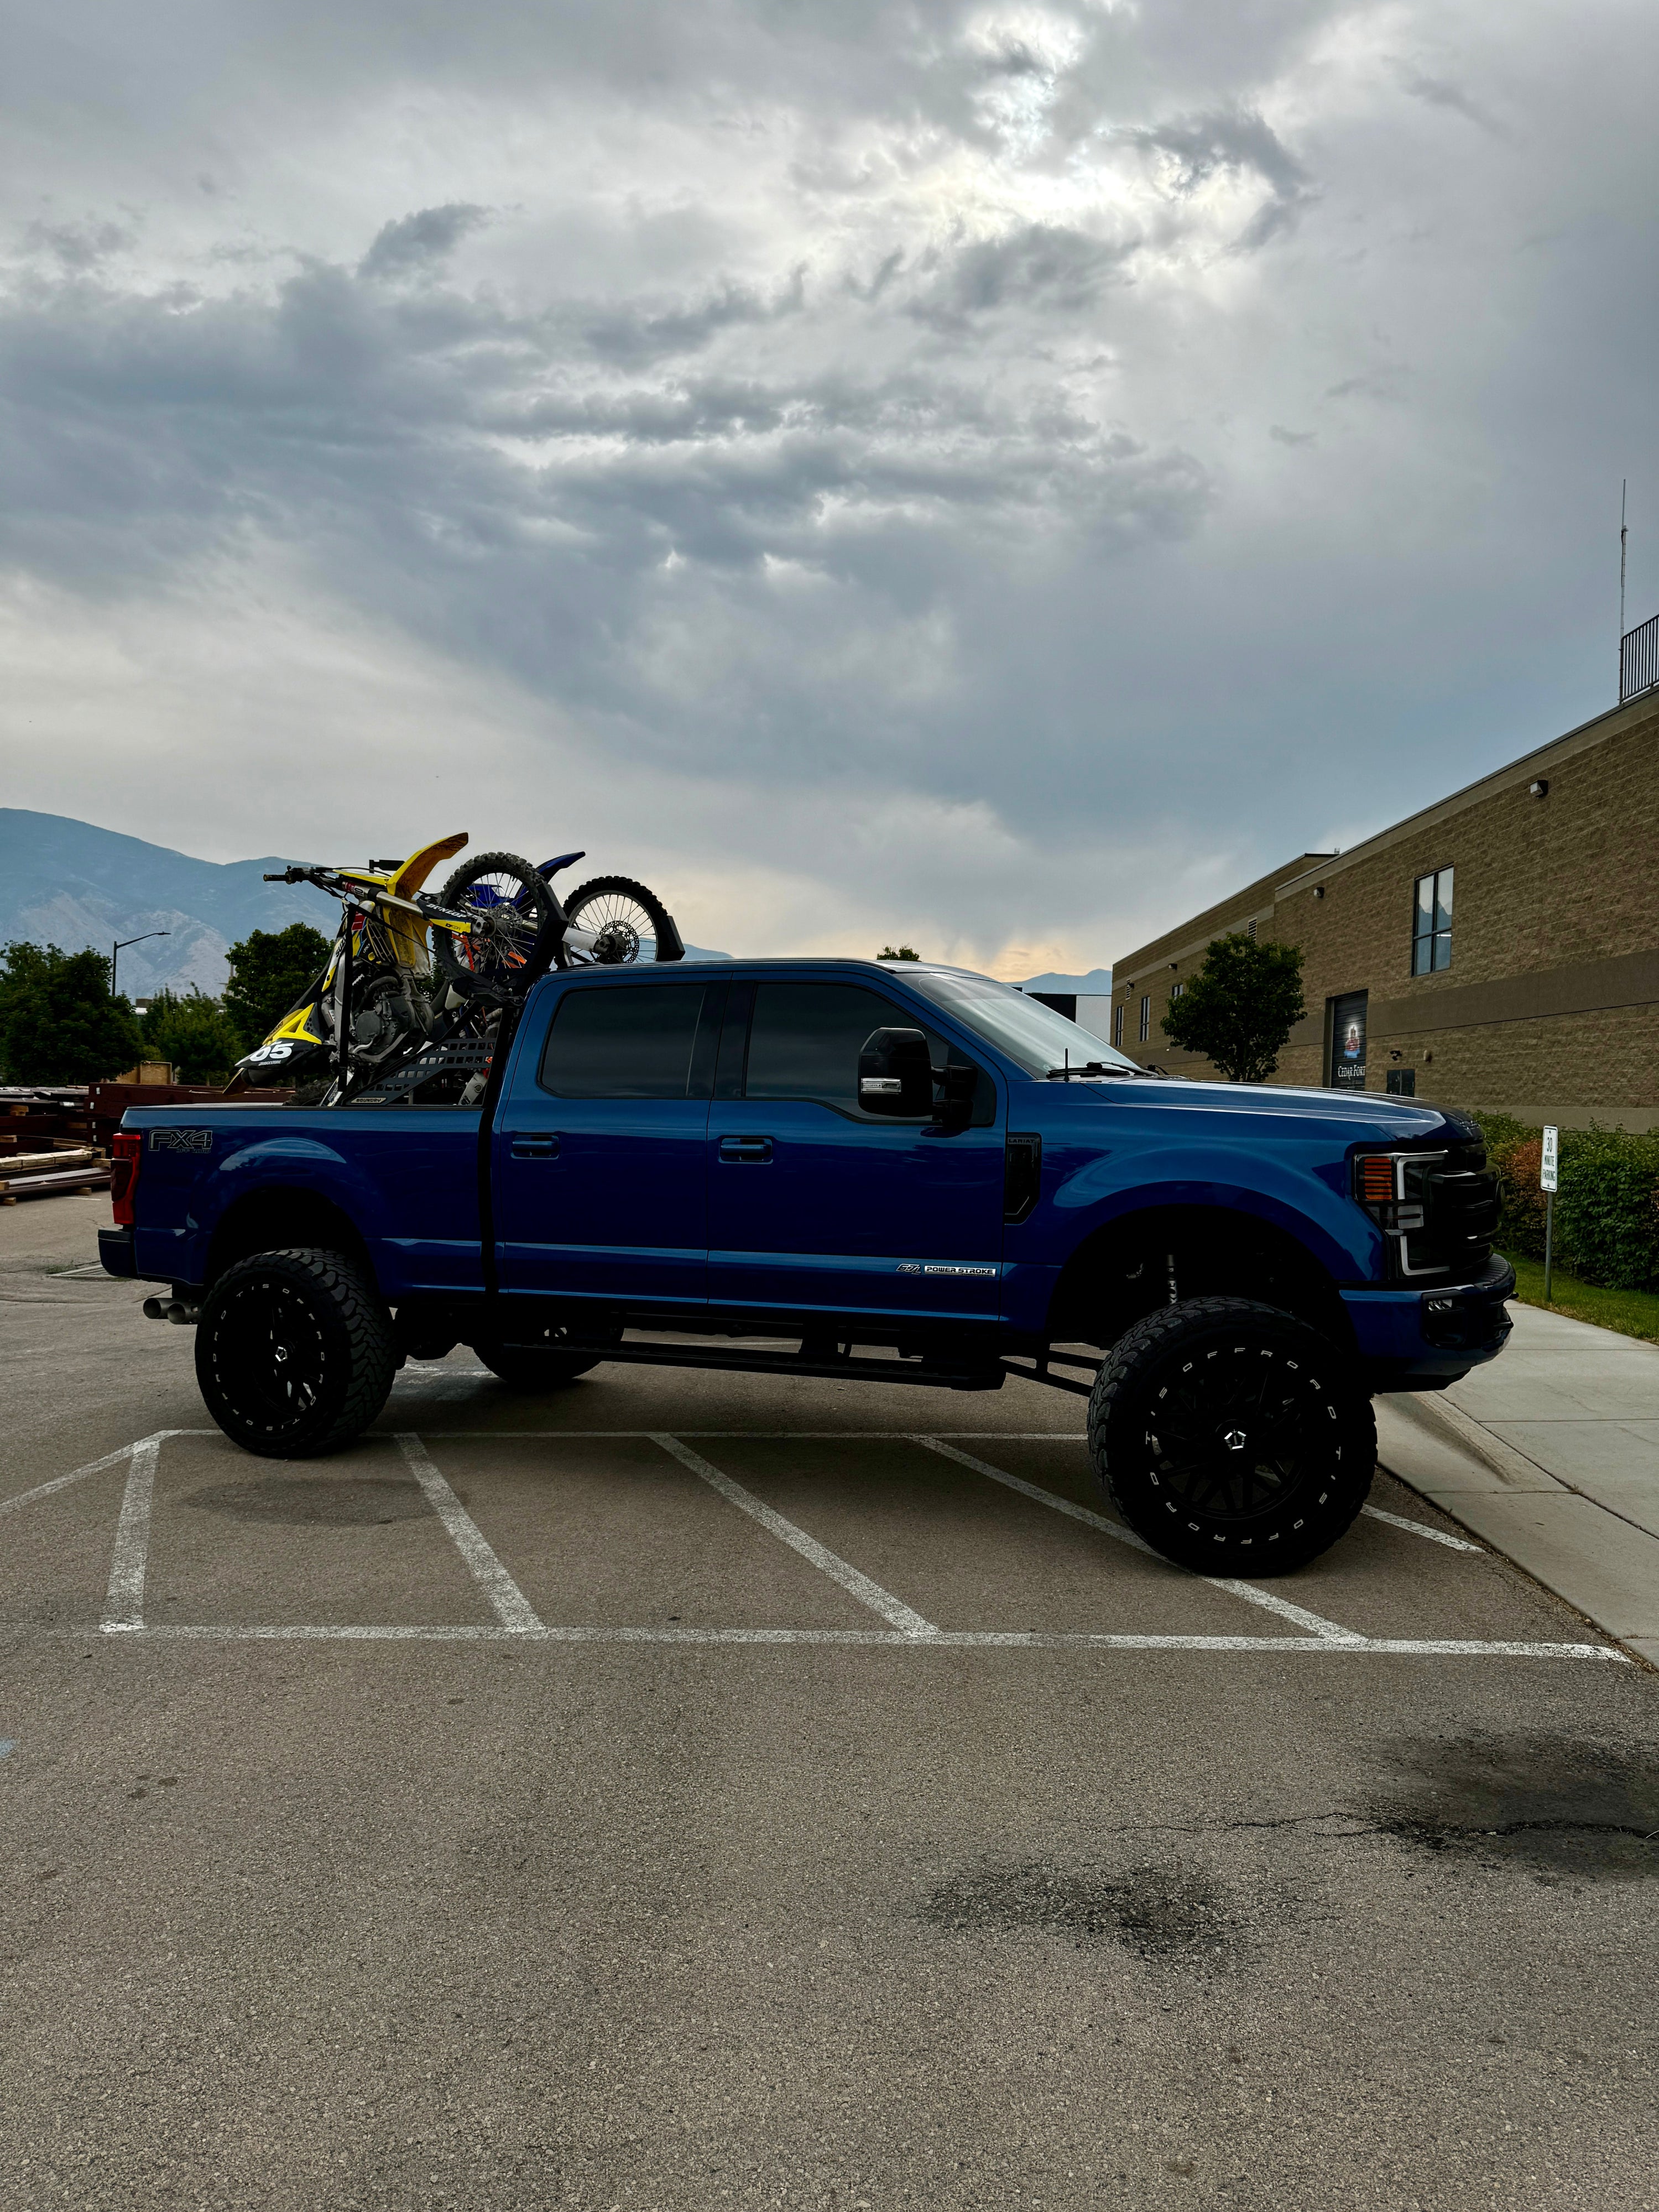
column 296, row 1499
column 1157, row 1913
column 1562, row 1807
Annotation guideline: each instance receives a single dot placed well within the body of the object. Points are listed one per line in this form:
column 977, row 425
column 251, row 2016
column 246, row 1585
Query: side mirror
column 896, row 1074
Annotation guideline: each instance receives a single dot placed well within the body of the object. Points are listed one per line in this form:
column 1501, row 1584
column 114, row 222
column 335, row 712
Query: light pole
column 120, row 946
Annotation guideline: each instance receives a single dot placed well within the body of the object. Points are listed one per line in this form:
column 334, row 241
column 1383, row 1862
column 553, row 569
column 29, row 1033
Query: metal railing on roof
column 1638, row 660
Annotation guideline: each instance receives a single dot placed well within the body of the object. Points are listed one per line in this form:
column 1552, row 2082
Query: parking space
column 694, row 1790
column 588, row 1534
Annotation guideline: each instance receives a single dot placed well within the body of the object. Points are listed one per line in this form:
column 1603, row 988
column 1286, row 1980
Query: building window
column 1117, row 1027
column 1431, row 923
column 1146, row 1019
column 1175, row 990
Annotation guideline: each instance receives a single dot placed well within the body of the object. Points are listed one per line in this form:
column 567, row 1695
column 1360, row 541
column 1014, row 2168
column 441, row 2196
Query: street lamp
column 120, row 946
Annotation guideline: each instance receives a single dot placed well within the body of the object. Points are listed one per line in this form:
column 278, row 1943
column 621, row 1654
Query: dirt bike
column 495, row 927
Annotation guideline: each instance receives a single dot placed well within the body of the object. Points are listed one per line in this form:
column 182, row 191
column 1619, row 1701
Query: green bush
column 1606, row 1211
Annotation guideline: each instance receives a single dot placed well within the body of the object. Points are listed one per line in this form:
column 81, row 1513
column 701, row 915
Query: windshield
column 1032, row 1034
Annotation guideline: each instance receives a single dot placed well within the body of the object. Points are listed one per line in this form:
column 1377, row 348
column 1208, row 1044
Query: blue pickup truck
column 900, row 1174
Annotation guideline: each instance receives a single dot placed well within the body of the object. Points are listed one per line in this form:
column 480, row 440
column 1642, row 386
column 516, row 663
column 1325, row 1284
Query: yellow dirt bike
column 378, row 1011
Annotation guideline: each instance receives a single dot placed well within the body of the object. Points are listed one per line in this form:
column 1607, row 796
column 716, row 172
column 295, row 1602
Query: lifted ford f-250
column 905, row 1174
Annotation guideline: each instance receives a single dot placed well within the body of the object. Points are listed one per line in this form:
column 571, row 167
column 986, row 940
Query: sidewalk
column 1551, row 1454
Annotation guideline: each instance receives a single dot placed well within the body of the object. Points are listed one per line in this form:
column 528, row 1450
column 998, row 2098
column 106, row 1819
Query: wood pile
column 56, row 1137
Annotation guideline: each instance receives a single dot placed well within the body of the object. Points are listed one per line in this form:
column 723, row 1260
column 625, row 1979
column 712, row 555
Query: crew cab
column 898, row 1173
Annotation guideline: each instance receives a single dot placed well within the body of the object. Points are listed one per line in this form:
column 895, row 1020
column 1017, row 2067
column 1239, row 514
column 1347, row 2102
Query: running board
column 783, row 1362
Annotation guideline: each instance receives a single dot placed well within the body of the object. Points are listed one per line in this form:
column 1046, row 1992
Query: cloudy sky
column 994, row 475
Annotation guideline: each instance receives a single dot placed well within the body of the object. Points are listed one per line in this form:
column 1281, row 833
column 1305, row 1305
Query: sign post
column 1547, row 1175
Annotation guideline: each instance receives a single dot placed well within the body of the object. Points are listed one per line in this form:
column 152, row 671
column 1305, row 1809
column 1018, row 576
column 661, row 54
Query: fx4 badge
column 181, row 1141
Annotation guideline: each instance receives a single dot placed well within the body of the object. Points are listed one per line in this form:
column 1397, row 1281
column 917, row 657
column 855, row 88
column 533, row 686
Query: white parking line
column 124, row 1606
column 1315, row 1624
column 1422, row 1529
column 958, row 1639
column 62, row 1481
column 826, row 1561
column 512, row 1608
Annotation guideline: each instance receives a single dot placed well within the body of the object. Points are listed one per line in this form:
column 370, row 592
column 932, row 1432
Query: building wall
column 1549, row 1008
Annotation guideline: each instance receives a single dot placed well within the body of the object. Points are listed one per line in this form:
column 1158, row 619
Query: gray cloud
column 415, row 243
column 837, row 430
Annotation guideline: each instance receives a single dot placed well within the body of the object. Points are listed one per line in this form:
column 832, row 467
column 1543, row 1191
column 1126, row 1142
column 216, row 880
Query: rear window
column 635, row 1040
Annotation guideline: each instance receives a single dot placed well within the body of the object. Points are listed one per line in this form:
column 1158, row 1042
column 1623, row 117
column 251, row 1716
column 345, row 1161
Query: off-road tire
column 598, row 888
column 545, row 948
column 1174, row 1394
column 525, row 1367
column 294, row 1353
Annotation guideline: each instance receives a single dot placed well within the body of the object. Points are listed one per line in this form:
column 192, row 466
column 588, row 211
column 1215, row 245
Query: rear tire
column 293, row 1353
column 623, row 914
column 522, row 1367
column 1235, row 1438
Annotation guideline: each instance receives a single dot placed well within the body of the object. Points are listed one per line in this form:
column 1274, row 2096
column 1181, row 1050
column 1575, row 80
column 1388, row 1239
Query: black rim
column 270, row 1359
column 1234, row 1433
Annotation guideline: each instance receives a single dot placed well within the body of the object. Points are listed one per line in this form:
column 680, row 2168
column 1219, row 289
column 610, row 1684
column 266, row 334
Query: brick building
column 1499, row 950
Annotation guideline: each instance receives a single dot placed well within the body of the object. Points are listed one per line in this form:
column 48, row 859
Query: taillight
column 125, row 1152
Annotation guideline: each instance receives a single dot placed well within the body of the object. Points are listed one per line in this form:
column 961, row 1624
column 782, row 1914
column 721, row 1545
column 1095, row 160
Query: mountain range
column 71, row 883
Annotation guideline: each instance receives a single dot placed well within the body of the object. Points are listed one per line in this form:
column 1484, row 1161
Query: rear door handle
column 534, row 1146
column 746, row 1152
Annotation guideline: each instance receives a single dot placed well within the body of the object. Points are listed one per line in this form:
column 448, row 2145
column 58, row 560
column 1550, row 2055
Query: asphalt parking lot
column 693, row 1790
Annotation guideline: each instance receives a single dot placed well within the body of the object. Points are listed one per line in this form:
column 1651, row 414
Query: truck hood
column 1351, row 1116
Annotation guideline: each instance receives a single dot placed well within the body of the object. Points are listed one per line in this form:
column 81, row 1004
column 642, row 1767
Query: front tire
column 294, row 1353
column 1235, row 1438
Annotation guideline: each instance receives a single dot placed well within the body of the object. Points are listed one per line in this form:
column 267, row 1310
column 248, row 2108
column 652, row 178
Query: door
column 1348, row 1042
column 599, row 1149
column 814, row 1206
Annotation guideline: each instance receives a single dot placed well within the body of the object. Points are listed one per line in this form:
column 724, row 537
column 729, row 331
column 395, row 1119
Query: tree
column 269, row 969
column 1240, row 1007
column 57, row 1021
column 900, row 952
column 194, row 1034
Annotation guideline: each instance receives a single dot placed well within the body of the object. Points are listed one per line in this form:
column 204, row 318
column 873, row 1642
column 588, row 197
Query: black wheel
column 1232, row 1436
column 293, row 1353
column 627, row 921
column 523, row 1367
column 514, row 938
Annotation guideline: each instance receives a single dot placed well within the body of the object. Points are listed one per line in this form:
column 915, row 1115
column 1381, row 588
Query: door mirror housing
column 896, row 1074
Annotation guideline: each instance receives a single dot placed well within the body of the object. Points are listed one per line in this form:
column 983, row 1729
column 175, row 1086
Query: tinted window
column 806, row 1037
column 635, row 1040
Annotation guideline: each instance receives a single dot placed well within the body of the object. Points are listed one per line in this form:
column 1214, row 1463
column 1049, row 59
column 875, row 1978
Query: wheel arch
column 1120, row 1272
column 279, row 1218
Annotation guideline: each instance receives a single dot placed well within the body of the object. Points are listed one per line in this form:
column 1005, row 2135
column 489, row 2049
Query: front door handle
column 534, row 1146
column 746, row 1152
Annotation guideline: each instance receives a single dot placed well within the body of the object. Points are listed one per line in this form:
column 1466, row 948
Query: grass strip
column 1632, row 1313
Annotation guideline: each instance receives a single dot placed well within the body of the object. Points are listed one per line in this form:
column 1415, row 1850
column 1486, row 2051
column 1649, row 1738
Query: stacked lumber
column 66, row 1167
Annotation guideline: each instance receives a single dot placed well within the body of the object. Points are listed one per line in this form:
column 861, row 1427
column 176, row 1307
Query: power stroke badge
column 940, row 1267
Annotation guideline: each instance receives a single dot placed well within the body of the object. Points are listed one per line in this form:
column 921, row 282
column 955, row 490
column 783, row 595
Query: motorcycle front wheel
column 624, row 921
column 512, row 940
